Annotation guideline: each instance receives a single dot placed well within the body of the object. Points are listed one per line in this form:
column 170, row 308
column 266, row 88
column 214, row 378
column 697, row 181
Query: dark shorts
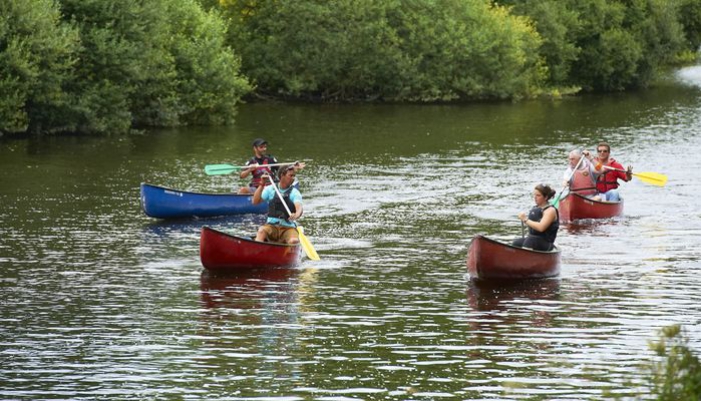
column 535, row 243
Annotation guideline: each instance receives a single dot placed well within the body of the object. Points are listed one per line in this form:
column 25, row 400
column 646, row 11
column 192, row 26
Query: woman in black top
column 542, row 221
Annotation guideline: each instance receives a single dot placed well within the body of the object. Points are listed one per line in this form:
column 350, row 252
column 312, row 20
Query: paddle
column 651, row 178
column 221, row 169
column 303, row 240
column 556, row 202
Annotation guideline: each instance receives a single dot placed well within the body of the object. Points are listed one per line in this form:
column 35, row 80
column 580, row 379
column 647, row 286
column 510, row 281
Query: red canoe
column 575, row 206
column 488, row 259
column 223, row 252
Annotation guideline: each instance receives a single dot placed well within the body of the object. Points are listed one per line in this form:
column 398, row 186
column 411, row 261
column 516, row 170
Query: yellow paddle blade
column 652, row 178
column 307, row 245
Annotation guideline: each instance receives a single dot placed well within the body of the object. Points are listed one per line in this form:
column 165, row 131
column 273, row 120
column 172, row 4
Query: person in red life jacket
column 607, row 182
column 542, row 221
column 582, row 180
column 280, row 226
column 257, row 166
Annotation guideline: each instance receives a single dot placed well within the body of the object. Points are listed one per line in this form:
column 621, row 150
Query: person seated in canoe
column 607, row 182
column 582, row 173
column 280, row 226
column 542, row 221
column 258, row 166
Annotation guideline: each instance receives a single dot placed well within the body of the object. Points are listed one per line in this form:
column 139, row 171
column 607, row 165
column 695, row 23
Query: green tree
column 37, row 54
column 558, row 25
column 690, row 18
column 209, row 83
column 415, row 50
column 604, row 45
column 677, row 375
column 155, row 63
column 467, row 50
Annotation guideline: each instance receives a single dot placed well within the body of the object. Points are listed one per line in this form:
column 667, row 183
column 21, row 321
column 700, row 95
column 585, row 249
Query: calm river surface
column 101, row 302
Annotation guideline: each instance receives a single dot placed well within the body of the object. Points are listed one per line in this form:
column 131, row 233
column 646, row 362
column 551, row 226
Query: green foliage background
column 94, row 66
column 676, row 375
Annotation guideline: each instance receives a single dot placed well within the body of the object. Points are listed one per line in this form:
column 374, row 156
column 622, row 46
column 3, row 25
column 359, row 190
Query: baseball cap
column 259, row 142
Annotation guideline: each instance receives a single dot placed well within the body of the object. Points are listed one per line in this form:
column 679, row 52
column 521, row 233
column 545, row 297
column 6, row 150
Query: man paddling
column 607, row 182
column 280, row 227
column 582, row 173
column 259, row 165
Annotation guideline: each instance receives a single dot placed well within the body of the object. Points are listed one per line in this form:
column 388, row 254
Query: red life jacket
column 583, row 182
column 256, row 179
column 609, row 179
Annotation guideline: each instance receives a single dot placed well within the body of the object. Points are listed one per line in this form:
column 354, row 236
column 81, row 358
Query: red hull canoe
column 488, row 259
column 224, row 252
column 575, row 206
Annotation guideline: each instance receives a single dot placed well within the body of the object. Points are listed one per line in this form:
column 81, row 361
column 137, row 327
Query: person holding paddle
column 280, row 226
column 259, row 165
column 607, row 182
column 542, row 221
column 581, row 173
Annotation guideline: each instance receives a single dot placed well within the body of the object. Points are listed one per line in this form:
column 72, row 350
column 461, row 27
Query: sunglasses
column 602, row 150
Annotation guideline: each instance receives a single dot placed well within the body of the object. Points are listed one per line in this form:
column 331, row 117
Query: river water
column 100, row 301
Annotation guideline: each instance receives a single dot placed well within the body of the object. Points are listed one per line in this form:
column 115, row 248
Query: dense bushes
column 100, row 66
column 394, row 50
column 677, row 375
column 421, row 50
column 37, row 58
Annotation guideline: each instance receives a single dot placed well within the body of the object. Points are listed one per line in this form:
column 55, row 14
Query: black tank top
column 550, row 233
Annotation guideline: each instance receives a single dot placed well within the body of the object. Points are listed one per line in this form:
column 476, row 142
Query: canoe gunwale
column 193, row 193
column 556, row 250
column 168, row 203
column 223, row 252
column 249, row 239
column 576, row 206
column 583, row 197
column 492, row 260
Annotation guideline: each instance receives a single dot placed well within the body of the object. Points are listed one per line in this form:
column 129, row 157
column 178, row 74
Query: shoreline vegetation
column 99, row 67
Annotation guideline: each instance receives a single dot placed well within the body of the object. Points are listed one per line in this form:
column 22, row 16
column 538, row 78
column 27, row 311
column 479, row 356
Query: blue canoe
column 166, row 203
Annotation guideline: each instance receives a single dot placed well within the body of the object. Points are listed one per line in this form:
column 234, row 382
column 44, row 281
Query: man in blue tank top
column 280, row 225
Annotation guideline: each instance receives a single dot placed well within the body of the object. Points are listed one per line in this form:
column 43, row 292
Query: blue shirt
column 269, row 194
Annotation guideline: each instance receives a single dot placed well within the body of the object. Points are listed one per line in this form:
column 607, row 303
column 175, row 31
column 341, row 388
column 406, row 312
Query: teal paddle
column 556, row 202
column 221, row 169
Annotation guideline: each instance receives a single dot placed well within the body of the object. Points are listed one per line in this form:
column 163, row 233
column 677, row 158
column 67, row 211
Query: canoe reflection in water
column 247, row 289
column 493, row 296
column 256, row 314
column 256, row 309
column 591, row 226
column 528, row 303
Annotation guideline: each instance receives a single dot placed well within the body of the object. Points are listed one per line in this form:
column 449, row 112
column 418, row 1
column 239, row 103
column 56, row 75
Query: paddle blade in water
column 652, row 178
column 220, row 169
column 307, row 245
